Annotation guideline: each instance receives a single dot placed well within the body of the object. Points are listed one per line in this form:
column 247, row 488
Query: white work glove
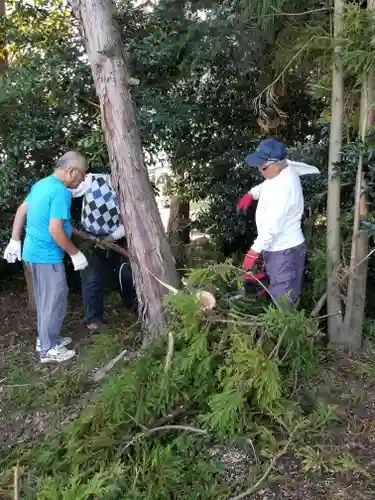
column 13, row 251
column 79, row 261
column 118, row 233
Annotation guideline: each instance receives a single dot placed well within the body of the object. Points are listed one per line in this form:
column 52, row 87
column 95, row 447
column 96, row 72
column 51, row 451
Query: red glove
column 245, row 202
column 250, row 259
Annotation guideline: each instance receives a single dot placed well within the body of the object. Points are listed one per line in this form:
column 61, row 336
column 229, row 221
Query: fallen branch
column 319, row 304
column 140, row 435
column 101, row 373
column 175, row 414
column 238, row 322
column 162, row 422
column 268, row 470
column 17, row 482
column 275, row 350
column 106, row 245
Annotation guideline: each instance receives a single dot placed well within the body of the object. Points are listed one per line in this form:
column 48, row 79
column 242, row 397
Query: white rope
column 119, row 275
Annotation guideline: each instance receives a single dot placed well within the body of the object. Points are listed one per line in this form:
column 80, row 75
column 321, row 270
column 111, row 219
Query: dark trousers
column 118, row 271
column 285, row 270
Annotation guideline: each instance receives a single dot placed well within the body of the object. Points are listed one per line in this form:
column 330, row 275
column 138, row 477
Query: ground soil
column 346, row 383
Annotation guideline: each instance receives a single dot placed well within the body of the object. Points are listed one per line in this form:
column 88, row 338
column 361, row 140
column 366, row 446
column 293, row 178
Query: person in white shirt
column 278, row 219
column 100, row 217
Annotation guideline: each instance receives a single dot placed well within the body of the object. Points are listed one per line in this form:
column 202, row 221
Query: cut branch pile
column 151, row 427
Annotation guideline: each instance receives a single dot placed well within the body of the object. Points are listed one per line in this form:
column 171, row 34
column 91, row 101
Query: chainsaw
column 255, row 283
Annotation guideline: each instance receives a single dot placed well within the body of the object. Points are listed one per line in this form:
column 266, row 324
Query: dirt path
column 37, row 399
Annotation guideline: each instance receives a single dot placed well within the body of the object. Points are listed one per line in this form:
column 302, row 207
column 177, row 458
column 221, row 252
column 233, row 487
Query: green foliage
column 199, row 79
column 228, row 377
column 64, row 389
column 104, row 348
column 44, row 108
column 358, row 54
column 199, row 76
column 21, row 394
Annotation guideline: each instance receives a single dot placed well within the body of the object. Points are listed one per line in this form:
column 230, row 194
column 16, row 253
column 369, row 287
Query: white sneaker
column 63, row 343
column 58, row 354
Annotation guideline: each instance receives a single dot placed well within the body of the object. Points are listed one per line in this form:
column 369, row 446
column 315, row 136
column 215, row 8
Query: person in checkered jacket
column 100, row 217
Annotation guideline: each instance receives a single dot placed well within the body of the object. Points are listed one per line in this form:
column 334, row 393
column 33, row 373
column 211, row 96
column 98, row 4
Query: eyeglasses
column 267, row 166
column 81, row 174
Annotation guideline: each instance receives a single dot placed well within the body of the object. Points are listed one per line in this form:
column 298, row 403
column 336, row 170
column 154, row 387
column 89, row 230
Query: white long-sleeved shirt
column 100, row 211
column 279, row 212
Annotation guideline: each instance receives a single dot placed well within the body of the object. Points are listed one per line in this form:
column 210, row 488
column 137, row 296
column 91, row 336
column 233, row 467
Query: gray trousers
column 51, row 298
column 285, row 269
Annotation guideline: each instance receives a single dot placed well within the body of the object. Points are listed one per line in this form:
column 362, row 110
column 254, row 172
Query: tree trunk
column 178, row 228
column 150, row 254
column 333, row 204
column 356, row 298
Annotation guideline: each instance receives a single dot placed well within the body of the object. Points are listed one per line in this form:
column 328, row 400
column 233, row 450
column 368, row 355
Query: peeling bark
column 149, row 250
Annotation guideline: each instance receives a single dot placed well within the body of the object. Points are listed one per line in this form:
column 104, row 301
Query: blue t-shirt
column 48, row 199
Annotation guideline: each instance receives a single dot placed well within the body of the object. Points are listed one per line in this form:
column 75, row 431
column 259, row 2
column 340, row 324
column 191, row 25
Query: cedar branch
column 100, row 243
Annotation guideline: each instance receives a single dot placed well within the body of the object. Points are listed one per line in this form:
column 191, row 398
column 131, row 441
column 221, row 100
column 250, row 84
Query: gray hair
column 72, row 159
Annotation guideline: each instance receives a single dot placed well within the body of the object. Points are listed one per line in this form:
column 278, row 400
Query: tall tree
column 333, row 203
column 356, row 297
column 151, row 256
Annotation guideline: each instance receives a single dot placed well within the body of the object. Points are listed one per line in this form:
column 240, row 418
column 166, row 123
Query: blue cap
column 268, row 150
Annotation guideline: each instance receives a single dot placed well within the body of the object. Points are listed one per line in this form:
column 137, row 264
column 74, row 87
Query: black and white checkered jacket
column 100, row 208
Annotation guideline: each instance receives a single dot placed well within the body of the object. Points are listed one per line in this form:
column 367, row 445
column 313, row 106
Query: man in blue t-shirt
column 46, row 211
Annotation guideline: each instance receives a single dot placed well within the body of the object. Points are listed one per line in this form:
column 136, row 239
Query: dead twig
column 270, row 96
column 319, row 305
column 17, row 482
column 296, row 14
column 275, row 350
column 268, row 470
column 344, row 271
column 106, row 245
column 186, row 428
column 174, row 415
column 14, row 386
column 238, row 322
column 90, row 102
column 101, row 373
column 169, row 356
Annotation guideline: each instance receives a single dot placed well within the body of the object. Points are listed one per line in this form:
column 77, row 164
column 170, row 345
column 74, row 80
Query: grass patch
column 22, row 384
column 66, row 388
column 22, row 391
column 104, row 347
